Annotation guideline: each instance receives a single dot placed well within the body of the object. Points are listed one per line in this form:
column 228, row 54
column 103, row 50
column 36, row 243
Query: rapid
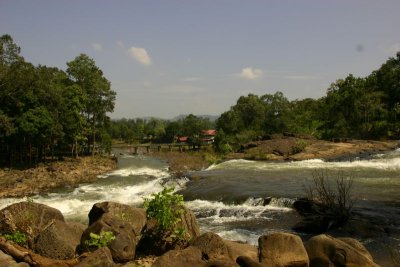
column 237, row 199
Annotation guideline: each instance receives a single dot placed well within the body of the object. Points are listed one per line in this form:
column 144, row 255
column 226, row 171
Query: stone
column 212, row 246
column 156, row 242
column 190, row 256
column 245, row 261
column 8, row 261
column 236, row 249
column 101, row 258
column 135, row 216
column 189, row 223
column 123, row 247
column 282, row 249
column 324, row 250
column 58, row 241
column 29, row 218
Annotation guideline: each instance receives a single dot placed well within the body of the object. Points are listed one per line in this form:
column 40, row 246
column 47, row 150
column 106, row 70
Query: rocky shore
column 52, row 241
column 69, row 172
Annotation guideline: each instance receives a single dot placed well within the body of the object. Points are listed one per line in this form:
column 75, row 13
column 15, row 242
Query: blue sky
column 166, row 58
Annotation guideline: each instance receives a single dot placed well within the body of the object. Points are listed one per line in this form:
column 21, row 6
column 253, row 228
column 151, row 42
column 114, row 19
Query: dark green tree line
column 44, row 110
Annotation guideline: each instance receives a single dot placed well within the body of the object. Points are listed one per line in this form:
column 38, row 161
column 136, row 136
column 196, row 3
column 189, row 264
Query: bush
column 335, row 201
column 166, row 208
column 17, row 237
column 100, row 240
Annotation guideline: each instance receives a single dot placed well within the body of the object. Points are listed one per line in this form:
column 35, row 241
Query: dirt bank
column 67, row 173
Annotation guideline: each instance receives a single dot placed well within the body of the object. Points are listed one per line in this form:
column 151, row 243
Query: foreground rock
column 55, row 241
column 136, row 217
column 29, row 218
column 59, row 240
column 324, row 250
column 123, row 247
column 282, row 249
column 156, row 242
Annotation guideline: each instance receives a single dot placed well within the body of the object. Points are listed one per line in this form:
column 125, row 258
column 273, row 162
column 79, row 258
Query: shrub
column 299, row 146
column 100, row 240
column 166, row 208
column 17, row 237
column 335, row 201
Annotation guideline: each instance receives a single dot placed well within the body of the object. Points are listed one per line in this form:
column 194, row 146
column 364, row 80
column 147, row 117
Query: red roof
column 182, row 138
column 209, row 132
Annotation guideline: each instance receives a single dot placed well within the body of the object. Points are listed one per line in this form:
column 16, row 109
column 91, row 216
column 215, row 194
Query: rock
column 101, row 257
column 190, row 256
column 282, row 249
column 156, row 242
column 58, row 241
column 306, row 206
column 28, row 217
column 212, row 246
column 245, row 261
column 123, row 247
column 316, row 224
column 135, row 216
column 324, row 250
column 221, row 263
column 357, row 245
column 236, row 249
column 189, row 223
column 8, row 261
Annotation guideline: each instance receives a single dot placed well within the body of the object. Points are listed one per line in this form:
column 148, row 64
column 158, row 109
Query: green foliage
column 45, row 110
column 17, row 237
column 166, row 208
column 100, row 240
column 299, row 146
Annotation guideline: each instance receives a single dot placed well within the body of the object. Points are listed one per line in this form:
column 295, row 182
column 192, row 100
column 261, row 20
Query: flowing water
column 237, row 199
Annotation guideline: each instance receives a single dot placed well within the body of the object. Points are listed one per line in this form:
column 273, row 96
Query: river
column 237, row 199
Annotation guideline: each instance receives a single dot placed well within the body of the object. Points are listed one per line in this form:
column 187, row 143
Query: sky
column 170, row 57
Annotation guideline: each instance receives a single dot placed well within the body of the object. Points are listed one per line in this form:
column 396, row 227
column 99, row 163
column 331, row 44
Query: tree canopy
column 45, row 111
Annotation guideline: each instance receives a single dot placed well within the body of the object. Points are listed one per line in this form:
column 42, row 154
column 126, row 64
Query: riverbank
column 69, row 172
column 277, row 149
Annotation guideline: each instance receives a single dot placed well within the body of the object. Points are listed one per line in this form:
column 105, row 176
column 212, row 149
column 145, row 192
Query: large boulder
column 135, row 216
column 28, row 217
column 324, row 250
column 212, row 246
column 236, row 249
column 189, row 223
column 123, row 247
column 190, row 256
column 282, row 249
column 59, row 240
column 156, row 242
column 101, row 257
column 8, row 261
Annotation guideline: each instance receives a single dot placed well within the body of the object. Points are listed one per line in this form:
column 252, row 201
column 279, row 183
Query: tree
column 98, row 94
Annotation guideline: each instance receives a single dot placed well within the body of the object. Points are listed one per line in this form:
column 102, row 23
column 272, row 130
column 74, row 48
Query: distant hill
column 212, row 118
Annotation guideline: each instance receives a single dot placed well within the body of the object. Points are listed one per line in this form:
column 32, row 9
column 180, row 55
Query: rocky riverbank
column 52, row 241
column 69, row 172
column 278, row 148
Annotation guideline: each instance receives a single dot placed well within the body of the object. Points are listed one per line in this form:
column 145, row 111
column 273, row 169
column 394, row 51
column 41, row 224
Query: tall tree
column 98, row 94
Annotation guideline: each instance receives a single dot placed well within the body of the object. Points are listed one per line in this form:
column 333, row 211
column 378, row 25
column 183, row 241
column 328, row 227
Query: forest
column 46, row 112
column 353, row 107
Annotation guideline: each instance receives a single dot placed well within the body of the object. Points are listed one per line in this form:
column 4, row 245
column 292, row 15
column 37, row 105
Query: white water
column 230, row 197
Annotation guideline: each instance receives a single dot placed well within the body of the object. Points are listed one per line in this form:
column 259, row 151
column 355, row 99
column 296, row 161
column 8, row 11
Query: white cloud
column 250, row 73
column 140, row 54
column 98, row 47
